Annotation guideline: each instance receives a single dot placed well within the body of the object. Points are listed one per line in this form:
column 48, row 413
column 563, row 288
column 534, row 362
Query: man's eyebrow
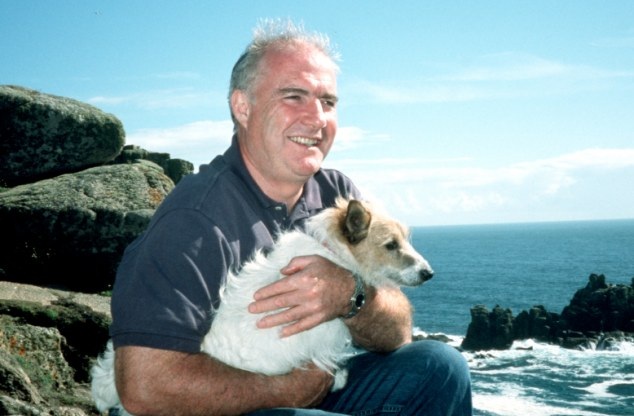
column 304, row 92
column 293, row 90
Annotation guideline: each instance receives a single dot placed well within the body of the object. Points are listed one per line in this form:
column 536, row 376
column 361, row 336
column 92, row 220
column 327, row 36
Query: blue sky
column 450, row 112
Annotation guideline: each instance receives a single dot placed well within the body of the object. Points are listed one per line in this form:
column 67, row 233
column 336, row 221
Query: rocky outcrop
column 77, row 197
column 47, row 345
column 597, row 314
column 44, row 135
column 489, row 330
column 176, row 169
column 72, row 229
column 74, row 199
column 600, row 307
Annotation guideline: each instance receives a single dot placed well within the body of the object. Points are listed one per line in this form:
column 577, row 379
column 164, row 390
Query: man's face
column 290, row 120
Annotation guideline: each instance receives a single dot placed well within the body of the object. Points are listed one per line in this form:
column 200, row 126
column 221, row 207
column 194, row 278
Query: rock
column 42, row 136
column 14, row 381
column 73, row 314
column 487, row 331
column 40, row 351
column 32, row 355
column 63, row 329
column 71, row 230
column 73, row 322
column 537, row 323
column 11, row 406
column 597, row 312
column 433, row 337
column 35, row 379
column 600, row 307
column 46, row 297
column 176, row 169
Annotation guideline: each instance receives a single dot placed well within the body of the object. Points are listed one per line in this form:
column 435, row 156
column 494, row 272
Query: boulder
column 71, row 230
column 43, row 135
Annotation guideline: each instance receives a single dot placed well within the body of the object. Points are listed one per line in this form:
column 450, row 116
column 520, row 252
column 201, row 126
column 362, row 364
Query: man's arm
column 385, row 321
column 156, row 382
column 316, row 290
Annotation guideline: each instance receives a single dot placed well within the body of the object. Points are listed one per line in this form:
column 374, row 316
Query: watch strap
column 358, row 297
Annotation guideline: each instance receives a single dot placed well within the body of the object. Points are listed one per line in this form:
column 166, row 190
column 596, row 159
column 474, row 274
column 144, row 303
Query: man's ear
column 240, row 107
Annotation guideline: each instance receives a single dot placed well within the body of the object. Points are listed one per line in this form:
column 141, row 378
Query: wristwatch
column 358, row 297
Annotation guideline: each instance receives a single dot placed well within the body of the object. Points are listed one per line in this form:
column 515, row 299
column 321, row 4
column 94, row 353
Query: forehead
column 300, row 66
column 389, row 229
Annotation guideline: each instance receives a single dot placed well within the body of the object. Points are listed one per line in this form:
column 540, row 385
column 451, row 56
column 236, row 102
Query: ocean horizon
column 517, row 266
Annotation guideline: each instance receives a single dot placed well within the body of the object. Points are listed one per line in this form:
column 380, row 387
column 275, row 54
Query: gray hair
column 273, row 33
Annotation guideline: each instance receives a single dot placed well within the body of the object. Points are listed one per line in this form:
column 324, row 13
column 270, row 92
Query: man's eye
column 327, row 101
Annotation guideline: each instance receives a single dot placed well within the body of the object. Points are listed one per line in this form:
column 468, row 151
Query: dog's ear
column 357, row 223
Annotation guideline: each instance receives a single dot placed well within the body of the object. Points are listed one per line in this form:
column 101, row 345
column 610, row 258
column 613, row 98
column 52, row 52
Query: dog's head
column 379, row 244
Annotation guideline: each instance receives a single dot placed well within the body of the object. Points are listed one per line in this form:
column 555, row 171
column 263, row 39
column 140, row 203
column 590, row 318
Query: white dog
column 353, row 235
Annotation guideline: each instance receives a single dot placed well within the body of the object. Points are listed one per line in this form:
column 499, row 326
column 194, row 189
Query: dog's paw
column 341, row 377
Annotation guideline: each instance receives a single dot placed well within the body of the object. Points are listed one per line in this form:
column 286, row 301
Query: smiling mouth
column 306, row 141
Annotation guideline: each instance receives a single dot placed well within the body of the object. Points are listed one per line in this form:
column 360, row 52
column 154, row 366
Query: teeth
column 304, row 140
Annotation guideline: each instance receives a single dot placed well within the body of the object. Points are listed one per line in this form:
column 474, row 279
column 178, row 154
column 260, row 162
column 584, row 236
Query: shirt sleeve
column 167, row 283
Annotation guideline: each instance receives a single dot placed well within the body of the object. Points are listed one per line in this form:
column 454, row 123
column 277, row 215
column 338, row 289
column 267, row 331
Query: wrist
column 358, row 297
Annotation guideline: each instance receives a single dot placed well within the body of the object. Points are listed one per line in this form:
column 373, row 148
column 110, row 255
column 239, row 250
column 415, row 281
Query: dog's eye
column 392, row 245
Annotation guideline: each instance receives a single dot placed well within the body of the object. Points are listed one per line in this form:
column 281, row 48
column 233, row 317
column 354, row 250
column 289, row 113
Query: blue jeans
column 424, row 378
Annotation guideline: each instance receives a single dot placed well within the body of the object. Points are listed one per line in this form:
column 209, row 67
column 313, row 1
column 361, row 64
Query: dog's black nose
column 425, row 275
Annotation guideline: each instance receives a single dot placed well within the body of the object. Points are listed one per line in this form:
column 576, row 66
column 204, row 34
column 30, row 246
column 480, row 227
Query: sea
column 518, row 266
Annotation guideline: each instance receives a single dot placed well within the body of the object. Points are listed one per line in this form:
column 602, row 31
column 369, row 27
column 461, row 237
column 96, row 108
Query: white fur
column 234, row 338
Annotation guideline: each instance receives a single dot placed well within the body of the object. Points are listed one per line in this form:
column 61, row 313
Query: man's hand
column 313, row 384
column 314, row 290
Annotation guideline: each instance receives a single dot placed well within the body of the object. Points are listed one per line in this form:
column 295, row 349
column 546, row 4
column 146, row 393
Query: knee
column 437, row 360
column 443, row 376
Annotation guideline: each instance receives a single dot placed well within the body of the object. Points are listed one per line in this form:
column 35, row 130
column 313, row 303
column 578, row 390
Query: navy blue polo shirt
column 212, row 222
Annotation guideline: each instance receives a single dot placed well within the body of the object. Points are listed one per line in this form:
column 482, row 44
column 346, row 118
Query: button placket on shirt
column 280, row 215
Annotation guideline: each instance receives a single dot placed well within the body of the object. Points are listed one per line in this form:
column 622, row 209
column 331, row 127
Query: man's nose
column 315, row 116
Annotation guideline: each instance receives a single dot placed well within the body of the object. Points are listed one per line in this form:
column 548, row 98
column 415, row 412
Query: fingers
column 296, row 304
column 297, row 264
column 293, row 320
column 307, row 296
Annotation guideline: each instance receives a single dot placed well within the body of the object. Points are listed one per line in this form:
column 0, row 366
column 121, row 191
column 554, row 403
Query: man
column 283, row 100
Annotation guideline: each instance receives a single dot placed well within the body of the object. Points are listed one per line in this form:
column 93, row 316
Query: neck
column 285, row 192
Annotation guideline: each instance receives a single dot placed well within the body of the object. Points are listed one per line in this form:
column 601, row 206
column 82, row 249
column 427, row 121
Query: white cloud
column 170, row 139
column 197, row 142
column 493, row 76
column 462, row 188
column 351, row 137
column 626, row 41
column 419, row 92
column 160, row 99
column 510, row 66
